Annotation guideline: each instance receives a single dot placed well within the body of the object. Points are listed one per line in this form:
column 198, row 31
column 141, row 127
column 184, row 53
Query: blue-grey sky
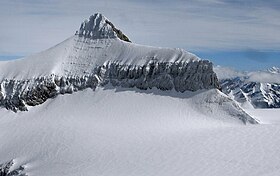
column 224, row 31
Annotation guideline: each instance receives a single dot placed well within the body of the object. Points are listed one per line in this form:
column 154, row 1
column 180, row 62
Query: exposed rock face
column 183, row 76
column 119, row 33
column 6, row 169
column 98, row 27
column 165, row 76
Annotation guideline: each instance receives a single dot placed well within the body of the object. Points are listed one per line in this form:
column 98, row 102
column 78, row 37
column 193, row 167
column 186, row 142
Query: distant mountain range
column 259, row 89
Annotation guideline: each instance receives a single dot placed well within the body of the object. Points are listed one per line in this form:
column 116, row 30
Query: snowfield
column 131, row 132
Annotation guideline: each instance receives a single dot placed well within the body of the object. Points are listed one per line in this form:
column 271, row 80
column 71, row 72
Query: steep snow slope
column 260, row 89
column 78, row 56
column 98, row 55
column 132, row 132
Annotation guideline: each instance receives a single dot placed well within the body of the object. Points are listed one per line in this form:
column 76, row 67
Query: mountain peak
column 99, row 27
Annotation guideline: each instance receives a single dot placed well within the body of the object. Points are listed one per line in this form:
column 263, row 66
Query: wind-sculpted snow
column 181, row 76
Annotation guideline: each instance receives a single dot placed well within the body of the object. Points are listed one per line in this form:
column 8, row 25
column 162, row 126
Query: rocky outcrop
column 182, row 76
column 6, row 169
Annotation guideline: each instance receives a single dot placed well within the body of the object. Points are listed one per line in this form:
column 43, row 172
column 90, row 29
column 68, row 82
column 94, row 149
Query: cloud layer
column 30, row 26
column 254, row 76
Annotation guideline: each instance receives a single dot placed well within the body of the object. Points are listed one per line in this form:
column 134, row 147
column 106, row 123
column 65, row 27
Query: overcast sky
column 249, row 27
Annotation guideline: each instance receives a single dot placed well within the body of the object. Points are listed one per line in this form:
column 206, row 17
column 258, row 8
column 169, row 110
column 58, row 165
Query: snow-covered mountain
column 101, row 105
column 99, row 54
column 260, row 89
